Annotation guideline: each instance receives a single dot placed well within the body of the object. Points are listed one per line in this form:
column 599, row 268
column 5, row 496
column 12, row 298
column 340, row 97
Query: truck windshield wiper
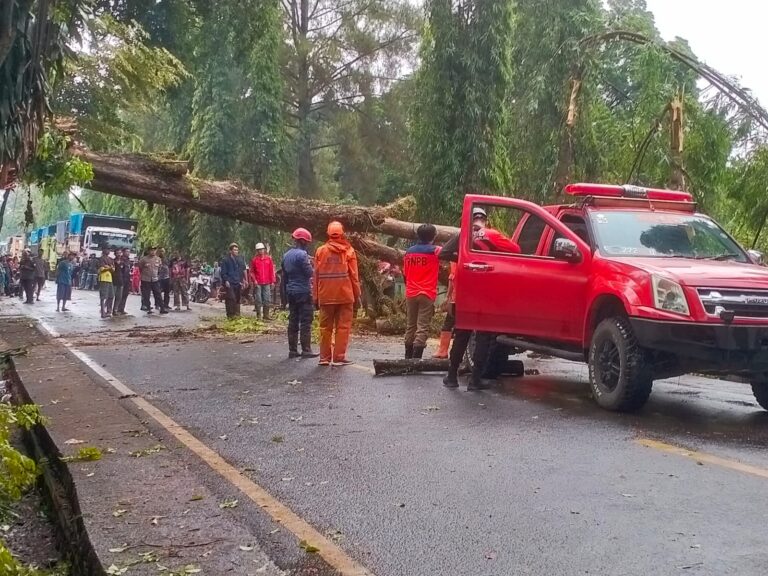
column 726, row 256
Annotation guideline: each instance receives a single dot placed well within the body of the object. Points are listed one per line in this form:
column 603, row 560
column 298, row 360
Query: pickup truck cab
column 632, row 281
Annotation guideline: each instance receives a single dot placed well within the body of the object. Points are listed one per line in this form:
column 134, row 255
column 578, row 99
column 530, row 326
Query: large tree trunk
column 166, row 182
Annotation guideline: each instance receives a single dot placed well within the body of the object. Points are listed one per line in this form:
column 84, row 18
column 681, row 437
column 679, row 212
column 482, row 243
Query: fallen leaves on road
column 228, row 504
column 73, row 441
column 118, row 513
column 84, row 454
column 119, row 549
column 278, row 439
column 147, row 451
column 245, row 548
column 308, row 548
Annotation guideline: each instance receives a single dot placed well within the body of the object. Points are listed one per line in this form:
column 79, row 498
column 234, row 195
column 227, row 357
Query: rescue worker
column 484, row 239
column 296, row 289
column 489, row 239
column 449, row 307
column 420, row 269
column 336, row 294
column 233, row 275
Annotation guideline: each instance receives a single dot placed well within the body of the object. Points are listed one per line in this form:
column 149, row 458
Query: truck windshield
column 111, row 239
column 663, row 235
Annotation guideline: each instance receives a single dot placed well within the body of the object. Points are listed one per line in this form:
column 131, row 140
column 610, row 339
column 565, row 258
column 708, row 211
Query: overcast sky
column 729, row 35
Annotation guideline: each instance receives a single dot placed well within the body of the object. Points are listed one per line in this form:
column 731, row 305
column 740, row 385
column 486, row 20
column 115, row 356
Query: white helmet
column 478, row 212
column 260, row 246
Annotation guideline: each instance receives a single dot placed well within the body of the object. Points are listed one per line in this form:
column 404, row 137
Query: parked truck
column 633, row 281
column 84, row 233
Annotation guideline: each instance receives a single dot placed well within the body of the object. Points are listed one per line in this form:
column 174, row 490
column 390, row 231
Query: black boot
column 306, row 347
column 408, row 351
column 452, row 379
column 293, row 345
column 477, row 383
column 418, row 352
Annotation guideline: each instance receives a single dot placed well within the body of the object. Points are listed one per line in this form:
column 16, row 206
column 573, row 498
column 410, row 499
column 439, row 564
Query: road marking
column 704, row 457
column 280, row 513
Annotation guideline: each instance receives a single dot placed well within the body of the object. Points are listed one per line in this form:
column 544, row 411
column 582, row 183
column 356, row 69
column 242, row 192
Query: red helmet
column 302, row 234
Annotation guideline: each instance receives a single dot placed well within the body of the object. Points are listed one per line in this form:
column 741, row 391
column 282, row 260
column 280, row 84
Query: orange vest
column 336, row 276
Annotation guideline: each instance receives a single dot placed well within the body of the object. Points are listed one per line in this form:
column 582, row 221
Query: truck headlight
column 668, row 295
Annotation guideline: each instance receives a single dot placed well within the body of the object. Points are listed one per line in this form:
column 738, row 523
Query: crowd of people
column 328, row 283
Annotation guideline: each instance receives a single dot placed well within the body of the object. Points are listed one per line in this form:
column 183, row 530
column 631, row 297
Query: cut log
column 404, row 367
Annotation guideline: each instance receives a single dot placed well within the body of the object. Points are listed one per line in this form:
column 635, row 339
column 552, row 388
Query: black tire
column 202, row 295
column 760, row 390
column 619, row 372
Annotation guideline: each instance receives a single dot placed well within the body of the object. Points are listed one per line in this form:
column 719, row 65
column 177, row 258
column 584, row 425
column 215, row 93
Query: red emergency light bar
column 627, row 191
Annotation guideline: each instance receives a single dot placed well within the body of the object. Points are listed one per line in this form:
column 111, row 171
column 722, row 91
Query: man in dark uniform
column 484, row 239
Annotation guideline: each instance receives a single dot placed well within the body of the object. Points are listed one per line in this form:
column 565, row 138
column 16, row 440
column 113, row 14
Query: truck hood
column 703, row 273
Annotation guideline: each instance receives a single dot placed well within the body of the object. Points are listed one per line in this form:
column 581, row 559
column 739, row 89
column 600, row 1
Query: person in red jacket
column 262, row 278
column 336, row 294
column 489, row 239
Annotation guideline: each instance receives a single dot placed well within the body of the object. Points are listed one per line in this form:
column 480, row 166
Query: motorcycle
column 200, row 288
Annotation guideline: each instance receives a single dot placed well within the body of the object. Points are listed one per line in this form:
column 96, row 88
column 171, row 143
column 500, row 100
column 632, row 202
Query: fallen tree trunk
column 403, row 367
column 167, row 182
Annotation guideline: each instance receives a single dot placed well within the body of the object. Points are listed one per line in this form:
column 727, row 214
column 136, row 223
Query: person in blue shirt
column 64, row 281
column 296, row 290
column 233, row 275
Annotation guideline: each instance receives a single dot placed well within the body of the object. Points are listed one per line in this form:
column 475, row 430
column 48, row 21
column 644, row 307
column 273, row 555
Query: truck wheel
column 619, row 374
column 760, row 390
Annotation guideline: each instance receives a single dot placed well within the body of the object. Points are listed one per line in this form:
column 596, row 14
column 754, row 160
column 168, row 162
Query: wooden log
column 403, row 367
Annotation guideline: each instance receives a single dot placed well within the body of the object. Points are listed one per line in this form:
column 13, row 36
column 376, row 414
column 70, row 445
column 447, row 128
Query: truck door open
column 506, row 291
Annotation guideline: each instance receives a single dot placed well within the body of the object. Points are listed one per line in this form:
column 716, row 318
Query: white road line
column 300, row 528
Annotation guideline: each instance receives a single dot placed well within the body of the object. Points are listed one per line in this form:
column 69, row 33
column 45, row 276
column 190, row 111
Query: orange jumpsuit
column 336, row 289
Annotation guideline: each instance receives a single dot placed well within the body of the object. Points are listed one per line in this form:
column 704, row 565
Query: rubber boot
column 257, row 309
column 293, row 345
column 445, row 344
column 418, row 352
column 306, row 348
column 408, row 351
column 267, row 317
column 452, row 379
column 476, row 382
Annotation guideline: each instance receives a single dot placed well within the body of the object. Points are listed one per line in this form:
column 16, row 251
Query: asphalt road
column 413, row 479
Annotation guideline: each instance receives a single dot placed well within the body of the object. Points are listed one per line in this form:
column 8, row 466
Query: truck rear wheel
column 619, row 373
column 760, row 390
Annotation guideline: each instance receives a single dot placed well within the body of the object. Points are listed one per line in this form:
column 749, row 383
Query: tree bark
column 166, row 182
column 403, row 367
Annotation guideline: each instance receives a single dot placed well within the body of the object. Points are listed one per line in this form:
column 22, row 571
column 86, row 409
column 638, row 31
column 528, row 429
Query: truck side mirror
column 566, row 249
column 757, row 257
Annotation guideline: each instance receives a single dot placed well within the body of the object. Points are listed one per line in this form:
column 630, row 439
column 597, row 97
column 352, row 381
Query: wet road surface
column 413, row 479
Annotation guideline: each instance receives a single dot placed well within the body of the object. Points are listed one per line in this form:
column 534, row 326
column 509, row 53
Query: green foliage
column 461, row 116
column 119, row 78
column 9, row 566
column 17, row 472
column 54, row 169
column 32, row 47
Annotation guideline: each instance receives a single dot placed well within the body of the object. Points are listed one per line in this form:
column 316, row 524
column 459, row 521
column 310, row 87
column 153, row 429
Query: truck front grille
column 743, row 303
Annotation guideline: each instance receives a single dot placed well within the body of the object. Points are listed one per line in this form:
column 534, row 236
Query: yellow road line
column 704, row 457
column 280, row 513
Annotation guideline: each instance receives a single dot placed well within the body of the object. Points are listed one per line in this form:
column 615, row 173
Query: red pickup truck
column 632, row 281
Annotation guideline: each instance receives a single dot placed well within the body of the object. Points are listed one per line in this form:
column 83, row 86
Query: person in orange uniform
column 449, row 307
column 336, row 294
